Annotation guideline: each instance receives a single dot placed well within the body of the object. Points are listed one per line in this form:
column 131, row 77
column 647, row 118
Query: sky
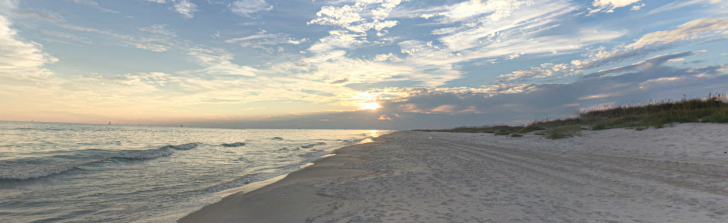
column 365, row 64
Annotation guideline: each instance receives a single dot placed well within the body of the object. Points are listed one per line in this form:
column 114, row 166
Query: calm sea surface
column 51, row 172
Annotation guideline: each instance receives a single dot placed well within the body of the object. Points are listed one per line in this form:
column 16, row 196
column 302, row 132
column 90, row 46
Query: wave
column 354, row 141
column 136, row 155
column 187, row 146
column 237, row 144
column 312, row 145
column 276, row 138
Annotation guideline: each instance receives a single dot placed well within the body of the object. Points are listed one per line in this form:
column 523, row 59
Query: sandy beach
column 675, row 174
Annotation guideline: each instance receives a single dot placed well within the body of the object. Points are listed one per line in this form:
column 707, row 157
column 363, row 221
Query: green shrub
column 717, row 117
column 516, row 135
column 563, row 132
column 531, row 128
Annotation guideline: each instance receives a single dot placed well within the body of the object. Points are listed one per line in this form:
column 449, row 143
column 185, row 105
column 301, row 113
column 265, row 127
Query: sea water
column 53, row 172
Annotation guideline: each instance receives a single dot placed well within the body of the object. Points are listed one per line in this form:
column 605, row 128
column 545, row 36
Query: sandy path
column 466, row 178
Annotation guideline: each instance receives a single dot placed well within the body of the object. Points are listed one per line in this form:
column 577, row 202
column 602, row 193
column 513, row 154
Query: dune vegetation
column 654, row 114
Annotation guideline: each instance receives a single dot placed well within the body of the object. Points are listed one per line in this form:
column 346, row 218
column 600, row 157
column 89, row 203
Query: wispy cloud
column 185, row 7
column 608, row 6
column 249, row 7
column 158, row 29
column 266, row 41
column 68, row 36
column 656, row 41
column 94, row 4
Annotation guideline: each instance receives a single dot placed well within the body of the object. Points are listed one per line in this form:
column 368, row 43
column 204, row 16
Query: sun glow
column 369, row 106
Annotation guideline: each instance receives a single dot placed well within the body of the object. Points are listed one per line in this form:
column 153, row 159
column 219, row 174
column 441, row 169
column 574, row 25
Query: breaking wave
column 135, row 155
column 312, row 145
column 237, row 144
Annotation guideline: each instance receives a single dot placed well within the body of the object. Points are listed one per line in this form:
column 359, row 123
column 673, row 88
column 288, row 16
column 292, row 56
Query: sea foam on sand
column 674, row 174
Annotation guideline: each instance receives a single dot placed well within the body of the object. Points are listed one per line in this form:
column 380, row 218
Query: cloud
column 543, row 71
column 148, row 46
column 218, row 62
column 20, row 58
column 338, row 39
column 155, row 44
column 350, row 17
column 264, row 40
column 384, row 118
column 342, row 81
column 656, row 41
column 637, row 7
column 67, row 36
column 94, row 4
column 682, row 4
column 158, row 29
column 646, row 64
column 609, row 5
column 695, row 29
column 185, row 7
column 248, row 7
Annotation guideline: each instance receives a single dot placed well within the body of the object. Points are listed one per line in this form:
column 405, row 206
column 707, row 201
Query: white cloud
column 695, row 29
column 489, row 31
column 266, row 41
column 613, row 3
column 248, row 7
column 20, row 58
column 185, row 7
column 158, row 29
column 338, row 39
column 148, row 46
column 543, row 71
column 350, row 16
column 608, row 6
column 648, row 43
column 637, row 7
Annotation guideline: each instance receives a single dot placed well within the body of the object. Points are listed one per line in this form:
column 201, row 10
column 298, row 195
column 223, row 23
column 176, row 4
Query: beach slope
column 677, row 174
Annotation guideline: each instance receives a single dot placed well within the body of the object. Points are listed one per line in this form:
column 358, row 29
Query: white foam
column 250, row 187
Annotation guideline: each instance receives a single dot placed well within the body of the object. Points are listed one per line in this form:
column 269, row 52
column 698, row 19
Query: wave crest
column 237, row 144
column 134, row 155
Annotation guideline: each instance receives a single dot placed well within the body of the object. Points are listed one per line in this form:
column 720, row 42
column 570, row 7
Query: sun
column 369, row 106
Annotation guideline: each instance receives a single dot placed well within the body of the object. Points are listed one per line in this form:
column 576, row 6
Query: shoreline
column 288, row 199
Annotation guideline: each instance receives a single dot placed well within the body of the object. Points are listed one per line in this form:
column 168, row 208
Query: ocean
column 55, row 172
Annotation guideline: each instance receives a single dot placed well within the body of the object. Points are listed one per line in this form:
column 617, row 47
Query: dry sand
column 677, row 174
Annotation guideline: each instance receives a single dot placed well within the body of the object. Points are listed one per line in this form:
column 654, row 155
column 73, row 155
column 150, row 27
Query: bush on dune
column 712, row 109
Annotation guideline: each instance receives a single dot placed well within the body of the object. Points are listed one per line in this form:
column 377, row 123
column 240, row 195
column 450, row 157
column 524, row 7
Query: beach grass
column 654, row 114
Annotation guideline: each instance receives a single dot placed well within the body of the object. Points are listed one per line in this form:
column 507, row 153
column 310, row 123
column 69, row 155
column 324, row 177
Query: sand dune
column 677, row 174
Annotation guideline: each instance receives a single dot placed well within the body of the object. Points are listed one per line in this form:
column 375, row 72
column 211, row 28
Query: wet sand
column 295, row 198
column 677, row 174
